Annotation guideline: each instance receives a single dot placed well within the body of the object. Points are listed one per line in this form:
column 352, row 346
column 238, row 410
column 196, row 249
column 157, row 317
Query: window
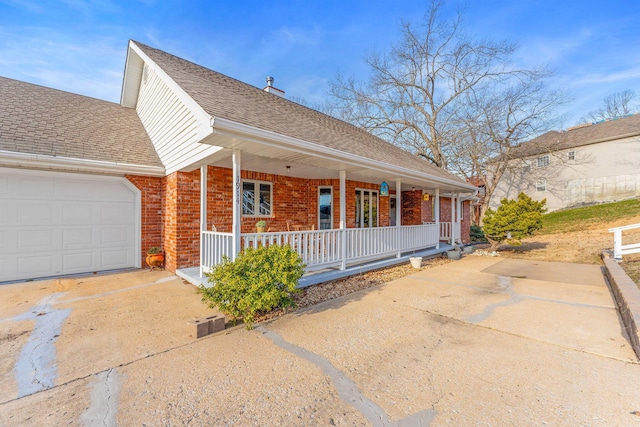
column 526, row 167
column 572, row 155
column 256, row 198
column 543, row 161
column 366, row 208
column 541, row 185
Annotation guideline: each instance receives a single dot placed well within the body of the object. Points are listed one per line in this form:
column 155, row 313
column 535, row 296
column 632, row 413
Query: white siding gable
column 174, row 122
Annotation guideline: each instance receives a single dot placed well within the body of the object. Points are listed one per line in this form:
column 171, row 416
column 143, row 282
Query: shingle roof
column 579, row 136
column 228, row 98
column 39, row 120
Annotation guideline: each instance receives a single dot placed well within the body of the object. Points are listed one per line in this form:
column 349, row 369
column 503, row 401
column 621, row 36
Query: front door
column 325, row 208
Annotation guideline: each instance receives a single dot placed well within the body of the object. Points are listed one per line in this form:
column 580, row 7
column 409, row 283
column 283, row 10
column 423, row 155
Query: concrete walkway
column 481, row 341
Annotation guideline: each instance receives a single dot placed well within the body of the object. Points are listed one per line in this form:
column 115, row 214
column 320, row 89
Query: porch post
column 237, row 203
column 453, row 218
column 398, row 216
column 343, row 219
column 203, row 212
column 459, row 216
column 436, row 215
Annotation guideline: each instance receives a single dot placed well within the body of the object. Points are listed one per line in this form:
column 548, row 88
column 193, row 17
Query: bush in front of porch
column 258, row 281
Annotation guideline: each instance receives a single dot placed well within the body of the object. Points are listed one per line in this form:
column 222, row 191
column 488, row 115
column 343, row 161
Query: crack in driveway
column 104, row 400
column 347, row 389
column 36, row 368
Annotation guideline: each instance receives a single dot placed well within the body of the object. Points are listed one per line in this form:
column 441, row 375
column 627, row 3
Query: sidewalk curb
column 627, row 295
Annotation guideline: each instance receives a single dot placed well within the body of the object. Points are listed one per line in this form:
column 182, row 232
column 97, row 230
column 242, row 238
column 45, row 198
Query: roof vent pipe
column 272, row 89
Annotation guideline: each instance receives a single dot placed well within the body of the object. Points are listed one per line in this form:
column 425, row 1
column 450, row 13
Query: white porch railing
column 322, row 248
column 214, row 246
column 450, row 231
column 318, row 249
column 618, row 248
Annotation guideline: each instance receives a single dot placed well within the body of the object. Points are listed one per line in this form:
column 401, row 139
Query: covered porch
column 342, row 214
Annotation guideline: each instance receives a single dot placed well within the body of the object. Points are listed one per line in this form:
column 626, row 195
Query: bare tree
column 456, row 101
column 416, row 90
column 616, row 105
column 496, row 120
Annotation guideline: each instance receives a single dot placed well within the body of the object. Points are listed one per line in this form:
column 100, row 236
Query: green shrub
column 513, row 220
column 258, row 281
column 476, row 234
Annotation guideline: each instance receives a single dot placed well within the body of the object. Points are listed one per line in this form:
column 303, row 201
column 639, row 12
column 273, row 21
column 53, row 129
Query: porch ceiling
column 273, row 157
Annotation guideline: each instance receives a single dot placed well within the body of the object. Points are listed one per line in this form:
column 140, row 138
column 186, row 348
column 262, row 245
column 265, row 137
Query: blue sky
column 80, row 45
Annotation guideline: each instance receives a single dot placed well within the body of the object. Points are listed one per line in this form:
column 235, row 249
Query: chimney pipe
column 272, row 89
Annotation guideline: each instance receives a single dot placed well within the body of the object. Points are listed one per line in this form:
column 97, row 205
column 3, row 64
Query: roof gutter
column 225, row 127
column 40, row 161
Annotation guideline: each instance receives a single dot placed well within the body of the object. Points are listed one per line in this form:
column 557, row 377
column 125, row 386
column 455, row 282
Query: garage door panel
column 36, row 186
column 116, row 236
column 4, row 213
column 76, row 189
column 36, row 266
column 78, row 262
column 28, row 213
column 78, row 213
column 36, row 239
column 74, row 237
column 7, row 268
column 116, row 258
column 58, row 223
column 115, row 191
column 116, row 213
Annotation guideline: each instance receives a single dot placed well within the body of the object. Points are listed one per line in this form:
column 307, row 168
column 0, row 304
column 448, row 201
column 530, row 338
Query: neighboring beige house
column 590, row 163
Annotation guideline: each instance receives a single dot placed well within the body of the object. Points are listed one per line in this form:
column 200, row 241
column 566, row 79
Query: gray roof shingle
column 39, row 120
column 580, row 135
column 228, row 98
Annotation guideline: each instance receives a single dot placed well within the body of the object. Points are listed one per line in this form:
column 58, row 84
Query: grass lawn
column 588, row 216
column 580, row 235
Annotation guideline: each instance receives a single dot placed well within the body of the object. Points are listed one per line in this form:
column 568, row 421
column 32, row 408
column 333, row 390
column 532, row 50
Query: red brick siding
column 181, row 220
column 151, row 215
column 412, row 207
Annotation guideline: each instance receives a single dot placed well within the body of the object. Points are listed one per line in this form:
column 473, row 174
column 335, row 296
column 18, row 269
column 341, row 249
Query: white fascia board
column 205, row 121
column 223, row 126
column 39, row 161
column 126, row 78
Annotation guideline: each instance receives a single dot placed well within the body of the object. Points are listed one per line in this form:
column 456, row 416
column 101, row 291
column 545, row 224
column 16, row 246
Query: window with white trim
column 541, row 185
column 572, row 155
column 543, row 161
column 526, row 166
column 256, row 198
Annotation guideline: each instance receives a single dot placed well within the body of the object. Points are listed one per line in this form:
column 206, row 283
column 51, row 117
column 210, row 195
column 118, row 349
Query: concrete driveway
column 481, row 341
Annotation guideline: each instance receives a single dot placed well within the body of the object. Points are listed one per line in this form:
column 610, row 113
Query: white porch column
column 237, row 203
column 436, row 215
column 459, row 216
column 453, row 217
column 343, row 219
column 203, row 212
column 398, row 216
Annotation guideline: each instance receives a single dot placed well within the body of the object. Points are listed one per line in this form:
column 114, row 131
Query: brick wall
column 412, row 207
column 151, row 215
column 181, row 220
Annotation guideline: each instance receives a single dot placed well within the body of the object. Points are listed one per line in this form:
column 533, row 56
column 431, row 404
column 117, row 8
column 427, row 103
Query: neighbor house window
column 543, row 161
column 256, row 198
column 526, row 166
column 572, row 155
column 541, row 185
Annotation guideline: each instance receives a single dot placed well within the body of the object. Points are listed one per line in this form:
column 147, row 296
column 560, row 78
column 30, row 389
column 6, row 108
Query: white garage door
column 57, row 223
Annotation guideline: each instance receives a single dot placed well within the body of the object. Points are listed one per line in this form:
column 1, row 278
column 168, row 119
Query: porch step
column 192, row 275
